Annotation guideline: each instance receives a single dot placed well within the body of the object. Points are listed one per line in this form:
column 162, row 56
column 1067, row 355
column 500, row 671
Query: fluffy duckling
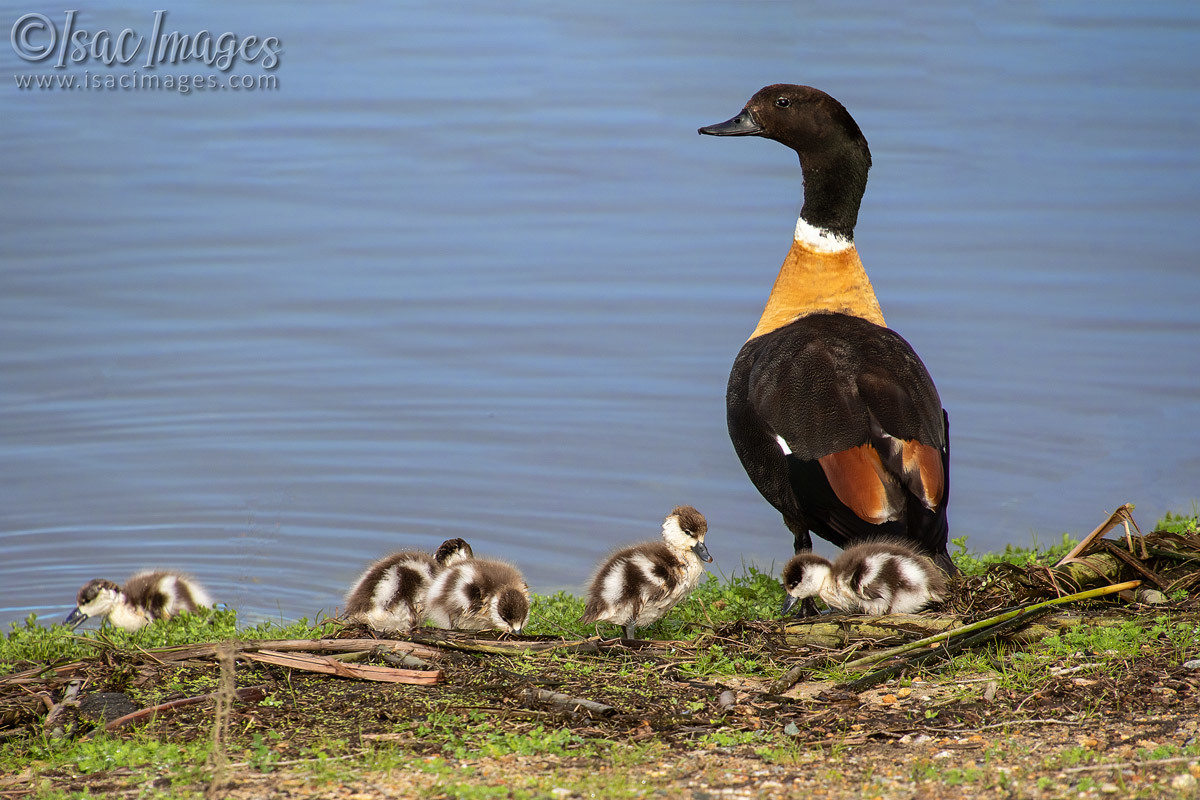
column 640, row 584
column 478, row 595
column 880, row 577
column 145, row 597
column 390, row 595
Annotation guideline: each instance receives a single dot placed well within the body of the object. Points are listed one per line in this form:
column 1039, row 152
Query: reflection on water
column 475, row 274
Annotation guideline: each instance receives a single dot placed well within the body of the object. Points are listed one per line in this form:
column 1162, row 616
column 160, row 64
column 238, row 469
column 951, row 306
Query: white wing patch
column 783, row 445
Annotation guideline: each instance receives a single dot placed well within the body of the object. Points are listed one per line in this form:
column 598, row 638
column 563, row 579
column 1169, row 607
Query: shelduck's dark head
column 94, row 599
column 452, row 551
column 685, row 529
column 833, row 152
column 802, row 578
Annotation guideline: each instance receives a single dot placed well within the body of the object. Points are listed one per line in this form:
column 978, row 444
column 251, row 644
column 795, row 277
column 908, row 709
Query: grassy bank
column 1104, row 700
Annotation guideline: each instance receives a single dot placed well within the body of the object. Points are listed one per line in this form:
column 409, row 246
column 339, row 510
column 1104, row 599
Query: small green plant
column 1180, row 523
column 785, row 754
column 728, row 738
column 271, row 701
column 260, row 755
column 539, row 741
column 716, row 661
column 976, row 564
column 558, row 615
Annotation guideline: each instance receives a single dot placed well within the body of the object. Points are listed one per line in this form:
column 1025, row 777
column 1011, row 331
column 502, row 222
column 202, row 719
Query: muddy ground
column 676, row 735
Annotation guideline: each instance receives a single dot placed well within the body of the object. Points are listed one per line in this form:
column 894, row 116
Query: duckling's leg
column 629, row 629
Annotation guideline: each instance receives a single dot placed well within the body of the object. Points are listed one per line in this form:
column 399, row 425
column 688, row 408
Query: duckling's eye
column 783, row 102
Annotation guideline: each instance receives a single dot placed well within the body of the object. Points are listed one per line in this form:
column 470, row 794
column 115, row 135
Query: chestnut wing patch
column 854, row 397
column 860, row 481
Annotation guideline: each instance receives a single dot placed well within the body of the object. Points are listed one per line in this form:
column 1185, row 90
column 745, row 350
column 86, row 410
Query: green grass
column 31, row 642
column 972, row 563
column 152, row 759
column 450, row 736
column 750, row 595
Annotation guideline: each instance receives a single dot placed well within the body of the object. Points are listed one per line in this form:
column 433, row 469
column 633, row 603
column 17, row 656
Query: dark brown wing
column 852, row 398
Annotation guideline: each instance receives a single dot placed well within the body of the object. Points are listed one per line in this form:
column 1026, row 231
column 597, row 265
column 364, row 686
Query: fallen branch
column 291, row 645
column 509, row 647
column 571, row 703
column 944, row 652
column 404, row 661
column 790, row 678
column 41, row 674
column 882, row 655
column 1124, row 515
column 839, row 633
column 294, row 761
column 250, row 694
column 331, row 666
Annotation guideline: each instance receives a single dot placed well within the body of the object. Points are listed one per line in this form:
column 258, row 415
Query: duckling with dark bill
column 147, row 596
column 878, row 577
column 638, row 585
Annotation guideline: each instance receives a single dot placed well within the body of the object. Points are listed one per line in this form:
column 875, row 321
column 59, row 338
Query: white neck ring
column 820, row 239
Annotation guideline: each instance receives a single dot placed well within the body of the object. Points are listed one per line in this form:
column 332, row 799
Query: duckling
column 833, row 415
column 390, row 595
column 145, row 597
column 878, row 577
column 478, row 595
column 640, row 584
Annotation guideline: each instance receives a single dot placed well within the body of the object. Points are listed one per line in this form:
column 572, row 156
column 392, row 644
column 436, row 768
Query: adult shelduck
column 145, row 597
column 639, row 584
column 833, row 416
column 880, row 577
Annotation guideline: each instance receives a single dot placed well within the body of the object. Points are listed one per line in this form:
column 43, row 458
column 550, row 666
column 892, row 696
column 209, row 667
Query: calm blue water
column 470, row 271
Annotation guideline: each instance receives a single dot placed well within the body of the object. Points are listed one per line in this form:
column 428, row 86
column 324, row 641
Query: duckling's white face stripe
column 819, row 239
column 677, row 537
column 101, row 604
column 816, row 575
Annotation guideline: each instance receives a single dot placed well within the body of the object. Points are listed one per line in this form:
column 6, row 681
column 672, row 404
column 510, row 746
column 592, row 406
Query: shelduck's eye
column 783, row 102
